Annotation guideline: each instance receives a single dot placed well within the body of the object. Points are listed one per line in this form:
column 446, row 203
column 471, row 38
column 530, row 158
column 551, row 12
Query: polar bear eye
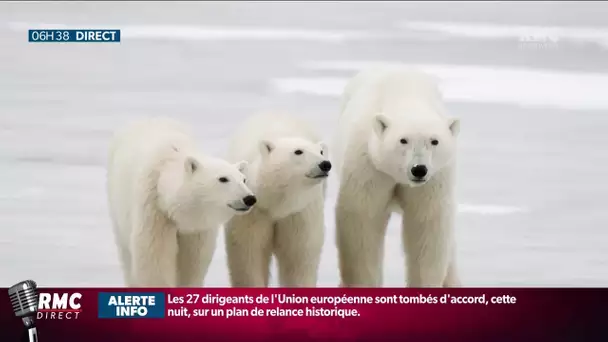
column 223, row 180
column 434, row 142
column 298, row 152
column 403, row 141
column 321, row 152
column 244, row 180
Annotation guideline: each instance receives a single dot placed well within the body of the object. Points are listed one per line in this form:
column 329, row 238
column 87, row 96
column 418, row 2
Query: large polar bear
column 396, row 152
column 167, row 202
column 287, row 170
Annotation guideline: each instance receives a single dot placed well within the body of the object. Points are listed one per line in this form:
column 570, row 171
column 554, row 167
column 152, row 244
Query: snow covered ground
column 529, row 81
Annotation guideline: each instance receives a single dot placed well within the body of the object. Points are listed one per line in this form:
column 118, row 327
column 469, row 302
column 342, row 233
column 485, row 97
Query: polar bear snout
column 321, row 170
column 249, row 200
column 325, row 166
column 419, row 174
column 419, row 171
column 243, row 205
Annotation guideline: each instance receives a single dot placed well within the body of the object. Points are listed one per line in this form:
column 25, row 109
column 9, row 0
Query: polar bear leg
column 298, row 242
column 194, row 257
column 426, row 242
column 154, row 251
column 360, row 242
column 452, row 279
column 124, row 254
column 249, row 249
column 127, row 269
column 362, row 214
column 428, row 232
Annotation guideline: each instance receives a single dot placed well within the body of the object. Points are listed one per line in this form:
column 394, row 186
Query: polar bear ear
column 241, row 166
column 324, row 148
column 454, row 124
column 381, row 123
column 191, row 165
column 266, row 146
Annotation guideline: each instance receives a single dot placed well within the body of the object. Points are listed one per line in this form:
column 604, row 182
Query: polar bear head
column 412, row 151
column 207, row 192
column 293, row 161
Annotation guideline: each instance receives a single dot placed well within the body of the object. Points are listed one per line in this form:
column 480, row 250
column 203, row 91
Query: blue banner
column 74, row 36
column 131, row 305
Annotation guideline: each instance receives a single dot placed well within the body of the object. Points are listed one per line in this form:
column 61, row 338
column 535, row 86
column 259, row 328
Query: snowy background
column 528, row 80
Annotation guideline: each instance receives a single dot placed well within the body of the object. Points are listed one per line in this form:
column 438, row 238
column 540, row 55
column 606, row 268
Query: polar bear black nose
column 249, row 200
column 419, row 171
column 325, row 166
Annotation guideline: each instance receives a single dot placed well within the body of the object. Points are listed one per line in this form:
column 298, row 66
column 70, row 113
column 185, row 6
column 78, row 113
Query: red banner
column 321, row 314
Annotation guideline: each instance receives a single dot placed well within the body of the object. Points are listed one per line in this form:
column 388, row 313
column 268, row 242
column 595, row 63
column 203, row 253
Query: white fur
column 288, row 220
column 167, row 204
column 379, row 108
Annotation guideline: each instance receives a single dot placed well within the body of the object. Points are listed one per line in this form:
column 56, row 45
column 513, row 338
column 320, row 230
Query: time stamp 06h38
column 73, row 36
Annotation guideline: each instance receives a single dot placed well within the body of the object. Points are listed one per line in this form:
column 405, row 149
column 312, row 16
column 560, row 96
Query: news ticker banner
column 320, row 314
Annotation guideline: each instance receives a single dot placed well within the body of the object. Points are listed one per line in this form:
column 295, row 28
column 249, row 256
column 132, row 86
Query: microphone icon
column 24, row 298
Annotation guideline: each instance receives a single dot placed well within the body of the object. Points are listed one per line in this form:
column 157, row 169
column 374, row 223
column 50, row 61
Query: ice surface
column 514, row 86
column 533, row 144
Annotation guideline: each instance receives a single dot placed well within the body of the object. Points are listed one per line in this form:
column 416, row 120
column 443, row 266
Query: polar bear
column 396, row 152
column 167, row 202
column 288, row 167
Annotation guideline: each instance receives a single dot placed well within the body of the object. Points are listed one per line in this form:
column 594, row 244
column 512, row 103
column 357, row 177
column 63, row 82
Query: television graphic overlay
column 59, row 306
column 131, row 305
column 24, row 299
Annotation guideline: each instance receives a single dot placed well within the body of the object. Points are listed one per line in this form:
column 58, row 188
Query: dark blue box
column 74, row 36
column 131, row 305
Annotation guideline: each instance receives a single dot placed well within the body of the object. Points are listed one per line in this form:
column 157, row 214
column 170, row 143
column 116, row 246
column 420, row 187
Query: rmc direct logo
column 59, row 306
